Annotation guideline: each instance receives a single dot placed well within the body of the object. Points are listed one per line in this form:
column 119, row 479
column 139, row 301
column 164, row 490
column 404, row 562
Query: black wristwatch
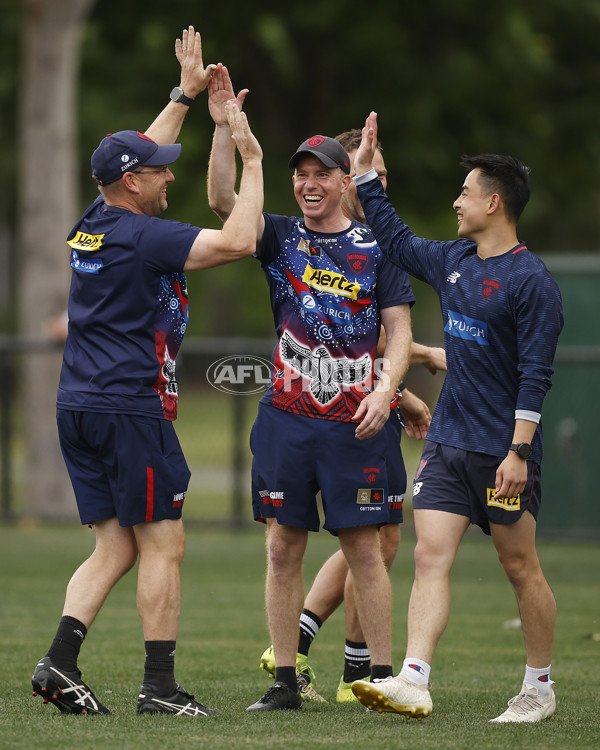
column 523, row 450
column 177, row 95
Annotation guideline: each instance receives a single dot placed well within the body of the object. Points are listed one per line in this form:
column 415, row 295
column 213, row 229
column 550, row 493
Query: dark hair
column 504, row 175
column 350, row 139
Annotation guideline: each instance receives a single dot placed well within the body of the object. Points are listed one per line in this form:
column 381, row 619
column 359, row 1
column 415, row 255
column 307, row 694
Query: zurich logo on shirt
column 88, row 266
column 470, row 329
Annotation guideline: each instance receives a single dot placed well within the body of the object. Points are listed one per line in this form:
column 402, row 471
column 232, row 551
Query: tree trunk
column 47, row 210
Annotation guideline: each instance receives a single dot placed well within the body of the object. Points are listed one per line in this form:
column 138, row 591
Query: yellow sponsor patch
column 329, row 281
column 83, row 241
column 507, row 503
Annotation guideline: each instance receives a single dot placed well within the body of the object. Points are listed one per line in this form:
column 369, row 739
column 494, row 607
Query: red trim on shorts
column 149, row 493
column 531, row 465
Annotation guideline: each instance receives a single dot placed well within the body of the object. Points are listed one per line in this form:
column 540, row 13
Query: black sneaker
column 65, row 690
column 179, row 703
column 280, row 697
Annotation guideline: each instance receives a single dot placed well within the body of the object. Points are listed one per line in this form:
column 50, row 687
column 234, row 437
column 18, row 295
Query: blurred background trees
column 445, row 78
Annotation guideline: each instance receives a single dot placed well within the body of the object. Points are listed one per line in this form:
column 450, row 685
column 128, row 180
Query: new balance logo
column 454, row 277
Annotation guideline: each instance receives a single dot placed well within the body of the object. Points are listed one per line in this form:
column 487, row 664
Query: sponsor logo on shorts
column 370, row 499
column 178, row 499
column 83, row 241
column 395, row 502
column 506, row 503
column 371, row 474
column 271, row 498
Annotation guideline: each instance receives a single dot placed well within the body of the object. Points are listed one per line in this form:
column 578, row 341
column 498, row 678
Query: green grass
column 479, row 664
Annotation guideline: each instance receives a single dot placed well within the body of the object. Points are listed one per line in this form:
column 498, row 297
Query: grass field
column 478, row 667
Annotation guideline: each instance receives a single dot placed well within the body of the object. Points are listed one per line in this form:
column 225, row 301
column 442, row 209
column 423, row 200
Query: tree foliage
column 445, row 78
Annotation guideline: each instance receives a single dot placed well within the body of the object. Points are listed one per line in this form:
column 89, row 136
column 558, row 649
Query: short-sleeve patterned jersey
column 327, row 291
column 128, row 311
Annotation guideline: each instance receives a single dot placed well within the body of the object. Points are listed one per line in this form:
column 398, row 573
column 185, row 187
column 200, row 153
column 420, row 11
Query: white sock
column 416, row 670
column 539, row 678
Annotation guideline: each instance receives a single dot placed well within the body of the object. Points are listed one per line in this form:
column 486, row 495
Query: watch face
column 525, row 450
column 176, row 94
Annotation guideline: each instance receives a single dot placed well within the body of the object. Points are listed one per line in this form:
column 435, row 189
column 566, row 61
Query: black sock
column 287, row 675
column 309, row 627
column 159, row 669
column 67, row 642
column 357, row 661
column 381, row 671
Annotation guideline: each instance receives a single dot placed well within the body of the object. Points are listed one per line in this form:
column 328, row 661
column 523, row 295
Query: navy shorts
column 123, row 465
column 396, row 470
column 462, row 482
column 296, row 456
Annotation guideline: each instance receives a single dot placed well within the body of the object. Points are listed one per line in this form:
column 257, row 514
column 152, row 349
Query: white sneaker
column 396, row 695
column 527, row 707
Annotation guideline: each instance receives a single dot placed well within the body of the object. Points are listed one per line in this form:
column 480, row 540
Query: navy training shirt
column 128, row 312
column 502, row 318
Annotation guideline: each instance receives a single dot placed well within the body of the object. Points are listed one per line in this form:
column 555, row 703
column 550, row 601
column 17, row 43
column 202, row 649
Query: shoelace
column 273, row 689
column 523, row 703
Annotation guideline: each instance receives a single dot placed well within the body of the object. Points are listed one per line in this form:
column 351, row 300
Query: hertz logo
column 508, row 503
column 83, row 241
column 329, row 281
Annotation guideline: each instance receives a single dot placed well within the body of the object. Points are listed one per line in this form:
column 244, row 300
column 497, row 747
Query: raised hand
column 194, row 76
column 220, row 91
column 363, row 161
column 247, row 144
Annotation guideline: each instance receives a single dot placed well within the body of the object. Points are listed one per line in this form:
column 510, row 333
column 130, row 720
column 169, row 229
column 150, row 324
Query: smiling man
column 117, row 396
column 481, row 462
column 319, row 425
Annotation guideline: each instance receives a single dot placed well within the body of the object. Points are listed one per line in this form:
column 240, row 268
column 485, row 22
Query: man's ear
column 494, row 203
column 346, row 182
column 129, row 182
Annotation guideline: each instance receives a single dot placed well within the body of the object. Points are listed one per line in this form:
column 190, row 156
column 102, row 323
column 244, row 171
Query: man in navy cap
column 319, row 425
column 117, row 396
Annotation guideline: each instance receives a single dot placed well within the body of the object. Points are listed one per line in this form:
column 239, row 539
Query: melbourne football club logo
column 371, row 474
column 315, row 141
column 358, row 262
column 489, row 288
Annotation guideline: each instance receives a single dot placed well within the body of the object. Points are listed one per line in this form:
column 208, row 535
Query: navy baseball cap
column 127, row 150
column 327, row 150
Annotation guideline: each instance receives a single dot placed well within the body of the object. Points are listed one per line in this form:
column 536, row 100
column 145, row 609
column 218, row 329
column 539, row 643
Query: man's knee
column 285, row 546
column 361, row 546
column 164, row 539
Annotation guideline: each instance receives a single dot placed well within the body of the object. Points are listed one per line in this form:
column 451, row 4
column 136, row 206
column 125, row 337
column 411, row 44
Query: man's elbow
column 218, row 208
column 238, row 247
